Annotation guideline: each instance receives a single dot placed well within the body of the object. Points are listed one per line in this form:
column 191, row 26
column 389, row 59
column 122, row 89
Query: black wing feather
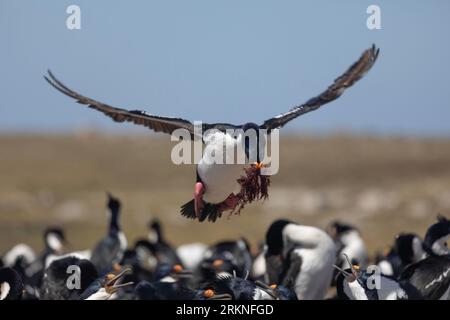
column 352, row 75
column 156, row 123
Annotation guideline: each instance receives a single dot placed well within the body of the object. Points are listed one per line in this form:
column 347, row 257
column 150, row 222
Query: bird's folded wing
column 156, row 123
column 353, row 74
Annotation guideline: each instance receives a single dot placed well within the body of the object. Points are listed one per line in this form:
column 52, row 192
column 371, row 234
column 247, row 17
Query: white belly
column 315, row 275
column 220, row 179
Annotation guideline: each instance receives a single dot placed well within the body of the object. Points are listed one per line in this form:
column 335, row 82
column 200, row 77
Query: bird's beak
column 348, row 276
column 113, row 282
column 259, row 165
column 354, row 268
column 270, row 290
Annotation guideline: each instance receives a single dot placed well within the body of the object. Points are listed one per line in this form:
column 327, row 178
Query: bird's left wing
column 156, row 123
column 334, row 91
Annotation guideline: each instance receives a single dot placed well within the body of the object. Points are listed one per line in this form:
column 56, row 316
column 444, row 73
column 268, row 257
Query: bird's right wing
column 334, row 91
column 156, row 123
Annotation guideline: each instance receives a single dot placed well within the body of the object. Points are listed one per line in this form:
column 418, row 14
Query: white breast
column 4, row 290
column 354, row 248
column 220, row 178
column 318, row 254
column 191, row 254
column 19, row 250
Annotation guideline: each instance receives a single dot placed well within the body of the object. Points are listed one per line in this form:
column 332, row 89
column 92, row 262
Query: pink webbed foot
column 198, row 198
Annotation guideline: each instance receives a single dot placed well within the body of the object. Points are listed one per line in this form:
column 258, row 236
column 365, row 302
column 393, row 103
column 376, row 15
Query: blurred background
column 378, row 157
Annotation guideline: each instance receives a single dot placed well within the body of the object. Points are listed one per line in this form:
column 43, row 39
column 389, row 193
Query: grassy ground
column 382, row 185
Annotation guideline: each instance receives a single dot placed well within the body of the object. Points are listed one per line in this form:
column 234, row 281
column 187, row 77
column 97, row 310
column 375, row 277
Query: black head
column 227, row 256
column 113, row 203
column 11, row 285
column 155, row 227
column 285, row 293
column 61, row 271
column 58, row 232
column 336, row 229
column 436, row 237
column 353, row 284
column 177, row 272
column 237, row 288
column 155, row 291
column 404, row 247
column 253, row 142
column 274, row 237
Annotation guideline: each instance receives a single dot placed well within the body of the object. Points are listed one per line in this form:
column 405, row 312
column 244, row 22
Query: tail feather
column 188, row 210
column 209, row 211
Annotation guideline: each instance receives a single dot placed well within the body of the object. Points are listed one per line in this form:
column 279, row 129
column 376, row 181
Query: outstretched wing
column 156, row 123
column 353, row 74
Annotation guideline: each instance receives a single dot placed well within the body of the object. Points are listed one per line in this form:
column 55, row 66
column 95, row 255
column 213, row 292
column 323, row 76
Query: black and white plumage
column 106, row 287
column 360, row 284
column 56, row 276
column 21, row 250
column 55, row 241
column 227, row 257
column 437, row 237
column 191, row 254
column 300, row 257
column 348, row 242
column 216, row 184
column 243, row 289
column 407, row 249
column 111, row 248
column 157, row 244
column 11, row 285
column 431, row 275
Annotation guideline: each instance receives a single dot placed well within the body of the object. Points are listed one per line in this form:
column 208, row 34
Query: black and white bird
column 158, row 245
column 407, row 249
column 431, row 276
column 227, row 257
column 191, row 254
column 55, row 242
column 110, row 249
column 217, row 186
column 106, row 287
column 348, row 242
column 11, row 285
column 437, row 237
column 356, row 283
column 243, row 289
column 300, row 257
column 67, row 278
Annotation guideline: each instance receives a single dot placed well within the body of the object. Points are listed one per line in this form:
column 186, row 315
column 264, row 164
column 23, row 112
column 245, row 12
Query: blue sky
column 229, row 61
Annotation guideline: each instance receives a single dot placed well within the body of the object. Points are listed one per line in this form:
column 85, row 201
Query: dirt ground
column 381, row 185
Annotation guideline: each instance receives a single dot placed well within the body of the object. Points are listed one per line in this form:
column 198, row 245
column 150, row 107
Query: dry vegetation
column 382, row 185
